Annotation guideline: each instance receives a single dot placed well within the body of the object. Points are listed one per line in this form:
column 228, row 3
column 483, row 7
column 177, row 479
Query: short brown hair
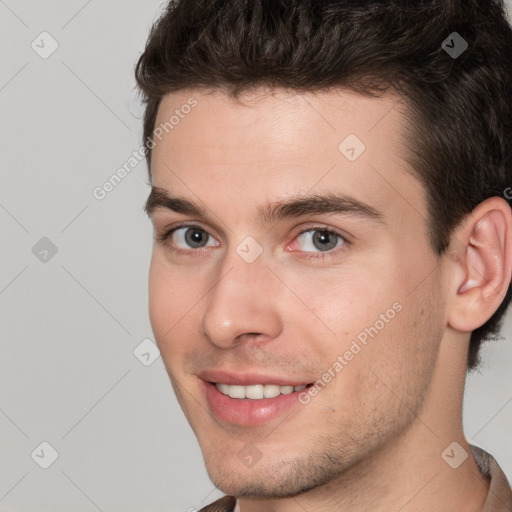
column 460, row 106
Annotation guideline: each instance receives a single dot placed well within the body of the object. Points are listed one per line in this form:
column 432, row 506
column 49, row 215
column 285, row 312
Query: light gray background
column 70, row 325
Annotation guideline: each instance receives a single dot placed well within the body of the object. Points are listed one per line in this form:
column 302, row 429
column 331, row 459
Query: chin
column 283, row 479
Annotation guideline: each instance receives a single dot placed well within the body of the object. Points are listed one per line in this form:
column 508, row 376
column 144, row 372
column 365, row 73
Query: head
column 346, row 178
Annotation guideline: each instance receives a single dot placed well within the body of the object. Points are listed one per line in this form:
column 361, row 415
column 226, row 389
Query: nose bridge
column 241, row 301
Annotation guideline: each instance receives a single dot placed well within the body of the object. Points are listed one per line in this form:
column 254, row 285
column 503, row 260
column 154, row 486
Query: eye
column 319, row 239
column 189, row 239
column 185, row 238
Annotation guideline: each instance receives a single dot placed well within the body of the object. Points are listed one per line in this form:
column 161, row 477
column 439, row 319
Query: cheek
column 383, row 385
column 344, row 303
column 397, row 364
column 160, row 298
column 387, row 337
column 169, row 302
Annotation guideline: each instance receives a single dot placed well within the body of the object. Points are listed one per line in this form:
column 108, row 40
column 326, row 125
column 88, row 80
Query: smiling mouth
column 258, row 391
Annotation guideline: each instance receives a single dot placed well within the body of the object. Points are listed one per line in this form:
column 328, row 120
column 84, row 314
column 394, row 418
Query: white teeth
column 271, row 390
column 223, row 388
column 236, row 391
column 256, row 391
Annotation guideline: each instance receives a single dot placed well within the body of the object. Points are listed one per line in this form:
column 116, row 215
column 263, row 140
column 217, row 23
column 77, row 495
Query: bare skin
column 372, row 438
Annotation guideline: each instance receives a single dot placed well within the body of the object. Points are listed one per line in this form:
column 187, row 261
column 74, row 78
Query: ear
column 481, row 260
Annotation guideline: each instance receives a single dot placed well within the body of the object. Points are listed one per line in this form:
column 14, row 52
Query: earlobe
column 483, row 271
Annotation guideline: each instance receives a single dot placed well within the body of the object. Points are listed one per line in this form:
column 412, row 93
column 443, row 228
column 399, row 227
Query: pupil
column 194, row 237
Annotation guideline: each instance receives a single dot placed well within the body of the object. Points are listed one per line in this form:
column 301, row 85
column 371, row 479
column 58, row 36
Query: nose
column 243, row 303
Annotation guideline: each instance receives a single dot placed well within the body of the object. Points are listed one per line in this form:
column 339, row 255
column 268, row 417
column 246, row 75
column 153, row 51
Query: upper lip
column 247, row 379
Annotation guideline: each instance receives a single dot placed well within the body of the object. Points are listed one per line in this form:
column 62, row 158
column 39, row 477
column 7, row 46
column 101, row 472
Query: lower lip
column 245, row 411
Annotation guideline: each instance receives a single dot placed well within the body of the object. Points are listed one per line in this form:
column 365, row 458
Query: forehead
column 267, row 114
column 267, row 146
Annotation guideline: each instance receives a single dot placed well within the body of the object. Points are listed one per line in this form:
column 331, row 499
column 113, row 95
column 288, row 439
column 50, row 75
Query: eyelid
column 318, row 226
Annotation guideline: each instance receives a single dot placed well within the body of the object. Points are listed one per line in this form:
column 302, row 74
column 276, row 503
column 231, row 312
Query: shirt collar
column 499, row 498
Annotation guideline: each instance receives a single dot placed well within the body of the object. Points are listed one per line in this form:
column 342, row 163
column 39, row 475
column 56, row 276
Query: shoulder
column 224, row 504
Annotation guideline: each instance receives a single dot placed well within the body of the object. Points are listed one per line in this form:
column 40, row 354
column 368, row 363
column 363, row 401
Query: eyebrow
column 330, row 203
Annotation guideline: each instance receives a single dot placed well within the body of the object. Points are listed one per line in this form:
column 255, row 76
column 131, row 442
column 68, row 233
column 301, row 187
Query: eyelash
column 164, row 239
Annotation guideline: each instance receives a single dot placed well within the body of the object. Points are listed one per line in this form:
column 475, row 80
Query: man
column 332, row 243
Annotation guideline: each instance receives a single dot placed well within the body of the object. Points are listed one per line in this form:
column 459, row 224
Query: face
column 264, row 287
